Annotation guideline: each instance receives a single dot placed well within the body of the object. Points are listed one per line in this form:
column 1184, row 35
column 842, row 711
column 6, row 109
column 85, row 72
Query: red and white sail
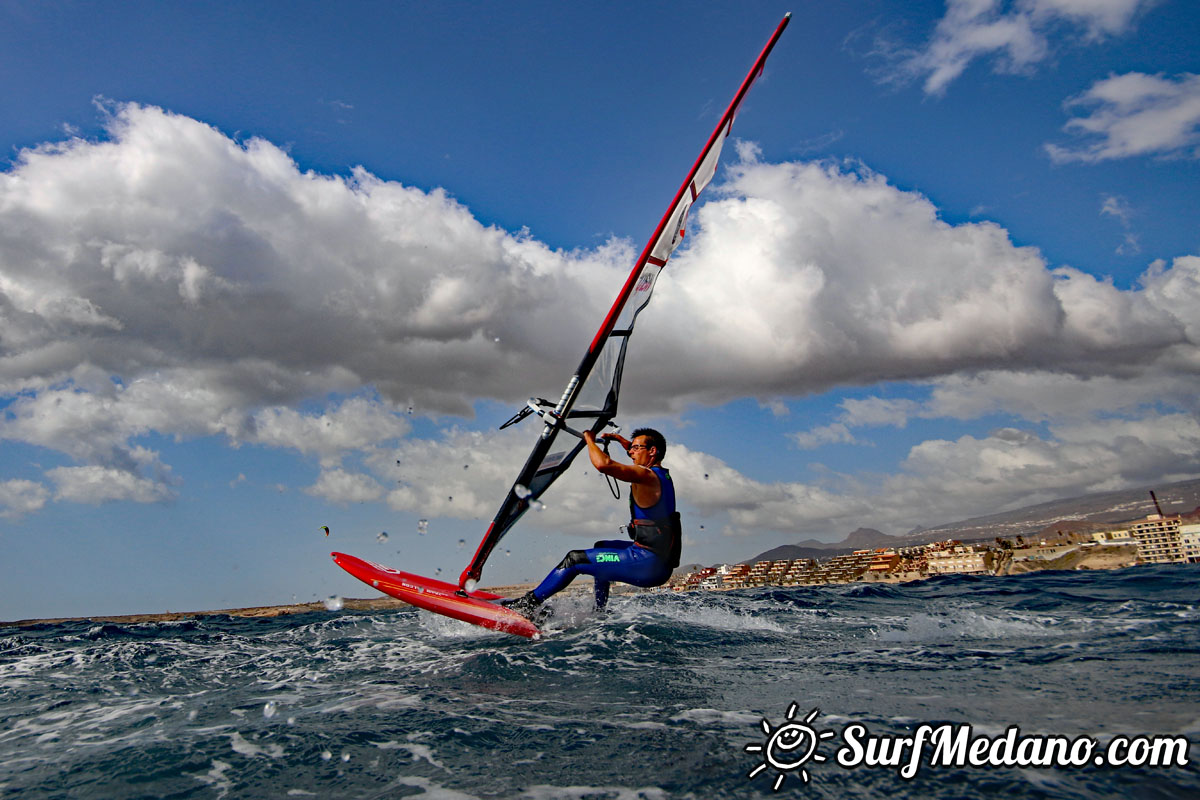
column 590, row 397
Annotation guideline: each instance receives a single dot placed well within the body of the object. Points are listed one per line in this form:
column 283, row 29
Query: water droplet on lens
column 470, row 585
column 521, row 491
column 334, row 603
column 326, row 755
column 382, row 537
column 345, row 757
column 461, row 543
column 270, row 709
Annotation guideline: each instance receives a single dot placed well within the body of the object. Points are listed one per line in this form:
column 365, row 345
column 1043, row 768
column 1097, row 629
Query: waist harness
column 663, row 537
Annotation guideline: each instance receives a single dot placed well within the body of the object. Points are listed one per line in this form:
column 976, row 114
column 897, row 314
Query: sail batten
column 592, row 392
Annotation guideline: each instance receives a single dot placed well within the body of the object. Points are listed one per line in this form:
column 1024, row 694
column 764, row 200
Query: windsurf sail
column 589, row 400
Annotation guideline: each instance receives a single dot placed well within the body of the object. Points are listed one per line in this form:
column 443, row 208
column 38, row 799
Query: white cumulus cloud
column 1132, row 115
column 20, row 497
column 1014, row 35
column 94, row 485
column 340, row 486
column 843, row 278
column 169, row 280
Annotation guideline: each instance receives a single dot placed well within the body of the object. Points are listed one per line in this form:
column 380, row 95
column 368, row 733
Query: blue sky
column 268, row 267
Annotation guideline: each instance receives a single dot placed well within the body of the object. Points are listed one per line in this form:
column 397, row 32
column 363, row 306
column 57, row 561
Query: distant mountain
column 790, row 552
column 1070, row 513
column 1108, row 507
column 863, row 538
column 868, row 537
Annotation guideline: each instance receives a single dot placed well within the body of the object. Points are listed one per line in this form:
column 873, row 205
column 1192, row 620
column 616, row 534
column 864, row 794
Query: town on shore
column 1157, row 539
column 1070, row 544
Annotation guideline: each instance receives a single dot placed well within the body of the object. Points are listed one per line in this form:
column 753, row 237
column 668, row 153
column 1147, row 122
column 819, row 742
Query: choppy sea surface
column 656, row 699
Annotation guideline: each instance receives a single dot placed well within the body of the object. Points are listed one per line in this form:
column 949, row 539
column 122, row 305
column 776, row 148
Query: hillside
column 1083, row 513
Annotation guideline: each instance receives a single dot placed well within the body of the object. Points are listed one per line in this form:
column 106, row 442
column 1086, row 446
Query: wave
column 655, row 698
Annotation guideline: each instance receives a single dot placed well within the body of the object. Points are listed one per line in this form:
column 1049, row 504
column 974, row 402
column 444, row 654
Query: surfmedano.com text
column 956, row 746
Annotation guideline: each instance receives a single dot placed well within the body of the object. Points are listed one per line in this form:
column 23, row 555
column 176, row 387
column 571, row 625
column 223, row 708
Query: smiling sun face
column 790, row 746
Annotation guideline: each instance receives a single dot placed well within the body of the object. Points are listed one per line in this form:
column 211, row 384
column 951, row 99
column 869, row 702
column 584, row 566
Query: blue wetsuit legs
column 608, row 561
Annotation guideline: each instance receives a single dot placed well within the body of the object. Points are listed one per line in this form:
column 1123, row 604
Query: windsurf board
column 440, row 597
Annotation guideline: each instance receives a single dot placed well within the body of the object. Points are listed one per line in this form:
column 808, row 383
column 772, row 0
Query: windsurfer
column 654, row 527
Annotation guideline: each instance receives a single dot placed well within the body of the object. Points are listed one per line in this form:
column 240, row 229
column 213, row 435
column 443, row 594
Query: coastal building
column 733, row 576
column 956, row 559
column 1189, row 540
column 693, row 579
column 758, row 573
column 842, row 569
column 1158, row 539
column 884, row 561
column 799, row 571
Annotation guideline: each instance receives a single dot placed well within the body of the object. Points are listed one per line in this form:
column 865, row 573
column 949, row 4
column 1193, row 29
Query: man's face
column 641, row 452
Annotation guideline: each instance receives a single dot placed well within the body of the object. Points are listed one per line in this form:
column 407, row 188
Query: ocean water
column 656, row 699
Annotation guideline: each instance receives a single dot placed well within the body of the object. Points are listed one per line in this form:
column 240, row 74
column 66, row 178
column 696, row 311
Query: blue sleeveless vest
column 666, row 499
column 658, row 528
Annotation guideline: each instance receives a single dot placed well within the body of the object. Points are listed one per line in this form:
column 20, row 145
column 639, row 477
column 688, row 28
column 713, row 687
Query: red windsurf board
column 477, row 608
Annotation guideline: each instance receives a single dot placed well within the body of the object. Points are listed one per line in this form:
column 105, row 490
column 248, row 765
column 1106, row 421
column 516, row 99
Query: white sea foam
column 961, row 624
column 442, row 626
column 646, row 725
column 242, row 747
column 419, row 752
column 372, row 697
column 546, row 792
column 216, row 777
column 431, row 790
column 698, row 613
column 708, row 716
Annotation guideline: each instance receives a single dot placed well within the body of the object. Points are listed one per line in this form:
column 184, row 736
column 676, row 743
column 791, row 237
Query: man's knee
column 573, row 559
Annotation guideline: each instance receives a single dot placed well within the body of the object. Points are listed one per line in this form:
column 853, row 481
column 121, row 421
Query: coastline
column 348, row 604
column 1103, row 559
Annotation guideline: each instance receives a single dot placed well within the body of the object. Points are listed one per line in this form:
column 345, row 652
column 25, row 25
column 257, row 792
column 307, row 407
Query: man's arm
column 619, row 439
column 630, row 473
